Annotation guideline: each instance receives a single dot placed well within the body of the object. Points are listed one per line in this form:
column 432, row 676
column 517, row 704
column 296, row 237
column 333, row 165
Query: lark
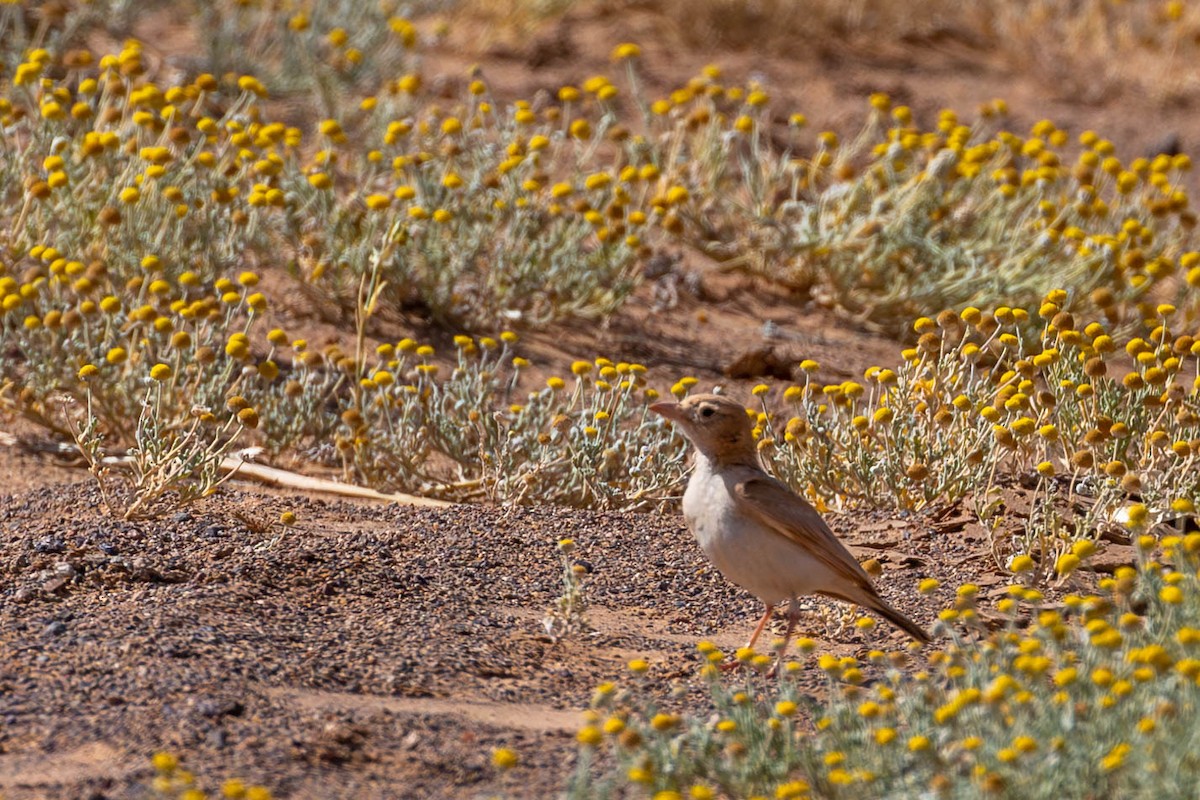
column 759, row 533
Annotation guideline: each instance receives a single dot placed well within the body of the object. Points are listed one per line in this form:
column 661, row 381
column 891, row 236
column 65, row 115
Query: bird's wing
column 772, row 504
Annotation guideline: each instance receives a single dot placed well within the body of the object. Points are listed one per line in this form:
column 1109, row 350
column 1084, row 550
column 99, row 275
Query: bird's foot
column 778, row 667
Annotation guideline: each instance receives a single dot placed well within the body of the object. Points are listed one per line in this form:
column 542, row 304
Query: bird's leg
column 762, row 623
column 793, row 616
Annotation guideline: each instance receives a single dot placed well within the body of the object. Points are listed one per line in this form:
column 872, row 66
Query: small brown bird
column 755, row 530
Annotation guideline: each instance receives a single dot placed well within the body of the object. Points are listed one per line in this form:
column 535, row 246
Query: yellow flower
column 597, row 180
column 1115, row 757
column 625, row 51
column 918, row 744
column 664, row 722
column 164, row 762
column 1083, row 548
column 1022, row 563
column 613, row 726
column 237, row 347
column 248, row 83
column 581, row 129
column 589, row 736
column 160, row 372
column 504, row 758
column 1066, row 564
column 1171, row 594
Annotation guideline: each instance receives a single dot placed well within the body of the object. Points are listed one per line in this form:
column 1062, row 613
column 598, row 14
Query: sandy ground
column 371, row 650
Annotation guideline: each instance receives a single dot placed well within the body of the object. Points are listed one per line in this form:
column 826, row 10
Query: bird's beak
column 672, row 411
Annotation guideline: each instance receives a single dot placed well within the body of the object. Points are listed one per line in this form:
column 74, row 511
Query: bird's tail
column 900, row 621
column 874, row 602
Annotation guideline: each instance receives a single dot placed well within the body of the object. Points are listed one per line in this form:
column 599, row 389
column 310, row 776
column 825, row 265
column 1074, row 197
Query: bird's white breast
column 748, row 553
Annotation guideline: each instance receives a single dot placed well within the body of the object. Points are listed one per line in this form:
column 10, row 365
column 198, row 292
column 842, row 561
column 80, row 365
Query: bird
column 758, row 533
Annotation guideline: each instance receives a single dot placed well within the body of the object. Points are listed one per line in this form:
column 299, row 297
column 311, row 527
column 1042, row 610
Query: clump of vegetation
column 1094, row 697
column 585, row 440
column 137, row 208
column 568, row 617
column 172, row 781
column 1093, row 421
column 166, row 466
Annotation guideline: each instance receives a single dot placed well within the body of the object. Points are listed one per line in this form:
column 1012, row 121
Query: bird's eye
column 707, row 411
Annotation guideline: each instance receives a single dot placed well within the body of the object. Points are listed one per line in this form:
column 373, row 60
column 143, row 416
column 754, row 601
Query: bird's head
column 718, row 426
